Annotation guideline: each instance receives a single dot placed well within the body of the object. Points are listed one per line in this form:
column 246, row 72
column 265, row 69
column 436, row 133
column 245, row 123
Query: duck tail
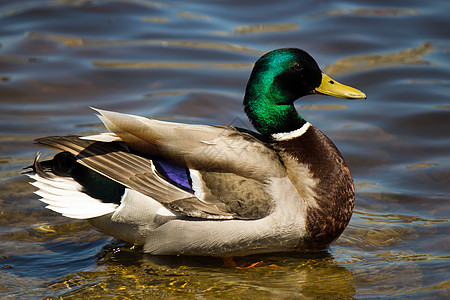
column 61, row 192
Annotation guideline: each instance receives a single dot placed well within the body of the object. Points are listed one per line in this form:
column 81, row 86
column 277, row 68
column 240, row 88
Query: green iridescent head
column 278, row 79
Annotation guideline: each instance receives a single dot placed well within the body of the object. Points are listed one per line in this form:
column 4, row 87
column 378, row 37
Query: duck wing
column 228, row 170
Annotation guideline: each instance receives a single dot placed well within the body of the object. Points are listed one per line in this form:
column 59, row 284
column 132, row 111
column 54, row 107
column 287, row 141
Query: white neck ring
column 285, row 136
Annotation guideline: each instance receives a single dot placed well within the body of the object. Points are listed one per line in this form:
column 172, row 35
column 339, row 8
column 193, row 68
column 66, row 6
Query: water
column 190, row 61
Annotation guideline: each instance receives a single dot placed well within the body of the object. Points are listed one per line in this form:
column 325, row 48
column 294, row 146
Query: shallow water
column 189, row 61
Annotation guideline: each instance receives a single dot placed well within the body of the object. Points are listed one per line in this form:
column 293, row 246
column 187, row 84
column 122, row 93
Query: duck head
column 278, row 79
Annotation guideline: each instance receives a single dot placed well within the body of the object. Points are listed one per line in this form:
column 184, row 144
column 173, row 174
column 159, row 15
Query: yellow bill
column 333, row 88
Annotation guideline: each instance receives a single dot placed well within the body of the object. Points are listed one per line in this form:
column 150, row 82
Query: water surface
column 189, row 61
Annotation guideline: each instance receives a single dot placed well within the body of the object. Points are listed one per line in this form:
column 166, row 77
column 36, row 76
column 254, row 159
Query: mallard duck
column 220, row 191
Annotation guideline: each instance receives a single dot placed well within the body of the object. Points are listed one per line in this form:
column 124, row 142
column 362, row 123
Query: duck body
column 183, row 189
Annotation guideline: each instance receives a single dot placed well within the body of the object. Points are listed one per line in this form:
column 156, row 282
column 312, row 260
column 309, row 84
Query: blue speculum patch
column 173, row 173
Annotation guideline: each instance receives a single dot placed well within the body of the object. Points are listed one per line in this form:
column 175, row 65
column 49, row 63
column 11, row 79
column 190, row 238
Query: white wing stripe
column 197, row 184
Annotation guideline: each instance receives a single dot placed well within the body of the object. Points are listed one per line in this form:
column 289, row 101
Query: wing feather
column 199, row 147
column 228, row 167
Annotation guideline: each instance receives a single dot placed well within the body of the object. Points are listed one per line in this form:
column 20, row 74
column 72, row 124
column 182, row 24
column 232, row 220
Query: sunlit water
column 189, row 61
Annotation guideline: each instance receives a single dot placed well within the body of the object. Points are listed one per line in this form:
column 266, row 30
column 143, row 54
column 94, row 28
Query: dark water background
column 189, row 61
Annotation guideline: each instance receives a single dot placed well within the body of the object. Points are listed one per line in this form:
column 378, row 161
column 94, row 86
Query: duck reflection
column 314, row 274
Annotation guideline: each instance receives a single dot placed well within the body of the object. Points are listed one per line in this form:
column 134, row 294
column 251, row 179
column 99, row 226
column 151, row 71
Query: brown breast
column 335, row 194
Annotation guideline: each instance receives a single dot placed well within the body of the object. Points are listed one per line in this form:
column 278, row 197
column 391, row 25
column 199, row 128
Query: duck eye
column 298, row 67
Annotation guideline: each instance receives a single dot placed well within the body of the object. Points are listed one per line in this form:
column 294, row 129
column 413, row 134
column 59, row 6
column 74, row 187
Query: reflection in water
column 367, row 11
column 127, row 274
column 442, row 286
column 148, row 3
column 191, row 15
column 262, row 28
column 70, row 41
column 410, row 56
column 168, row 65
column 421, row 165
column 375, row 237
column 155, row 19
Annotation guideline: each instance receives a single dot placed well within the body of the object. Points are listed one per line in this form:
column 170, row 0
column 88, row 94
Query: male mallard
column 211, row 190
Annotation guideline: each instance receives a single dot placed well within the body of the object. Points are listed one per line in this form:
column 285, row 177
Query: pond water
column 189, row 61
